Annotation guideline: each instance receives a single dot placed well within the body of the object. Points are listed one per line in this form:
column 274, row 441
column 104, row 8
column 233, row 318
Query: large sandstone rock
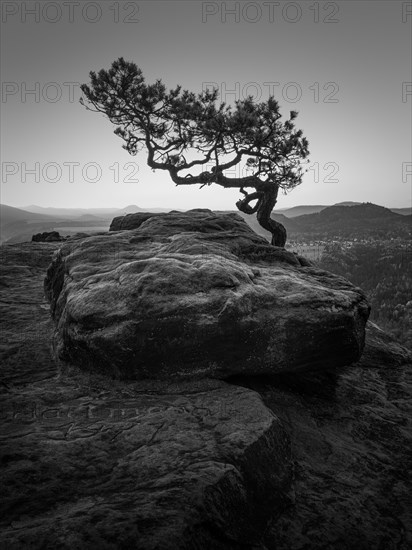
column 198, row 294
column 131, row 221
column 90, row 463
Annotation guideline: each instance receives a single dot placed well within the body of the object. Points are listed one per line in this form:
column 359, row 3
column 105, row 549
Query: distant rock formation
column 47, row 237
column 197, row 295
column 131, row 221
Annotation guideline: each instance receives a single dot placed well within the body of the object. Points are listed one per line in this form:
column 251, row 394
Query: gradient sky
column 348, row 61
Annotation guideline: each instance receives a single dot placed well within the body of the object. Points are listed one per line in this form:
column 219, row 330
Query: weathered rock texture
column 47, row 237
column 131, row 221
column 25, row 320
column 91, row 463
column 351, row 439
column 145, row 470
column 88, row 462
column 198, row 294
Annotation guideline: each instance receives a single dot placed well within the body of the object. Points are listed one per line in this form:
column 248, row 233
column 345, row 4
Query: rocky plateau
column 178, row 383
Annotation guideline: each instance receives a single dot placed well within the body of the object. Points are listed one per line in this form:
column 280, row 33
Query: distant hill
column 360, row 220
column 309, row 209
column 101, row 213
column 299, row 210
column 314, row 209
column 19, row 225
column 402, row 211
column 344, row 220
column 10, row 214
column 346, row 203
column 15, row 220
column 49, row 211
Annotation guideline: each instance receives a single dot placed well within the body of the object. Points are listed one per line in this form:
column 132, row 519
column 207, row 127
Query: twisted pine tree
column 198, row 141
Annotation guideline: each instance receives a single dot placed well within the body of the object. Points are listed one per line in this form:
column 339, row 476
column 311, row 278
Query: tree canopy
column 200, row 141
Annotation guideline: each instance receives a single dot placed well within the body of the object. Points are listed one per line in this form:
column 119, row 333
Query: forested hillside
column 383, row 270
column 363, row 221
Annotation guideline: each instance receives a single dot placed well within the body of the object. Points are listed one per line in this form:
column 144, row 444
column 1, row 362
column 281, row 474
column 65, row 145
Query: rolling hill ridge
column 343, row 221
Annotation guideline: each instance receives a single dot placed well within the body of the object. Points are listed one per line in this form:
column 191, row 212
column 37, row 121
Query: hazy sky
column 345, row 66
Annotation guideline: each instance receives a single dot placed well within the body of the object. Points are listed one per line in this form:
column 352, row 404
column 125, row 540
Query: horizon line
column 186, row 209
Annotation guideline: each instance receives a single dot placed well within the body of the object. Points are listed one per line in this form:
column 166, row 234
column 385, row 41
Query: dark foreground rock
column 89, row 463
column 84, row 459
column 47, row 237
column 182, row 467
column 198, row 294
column 351, row 439
column 24, row 321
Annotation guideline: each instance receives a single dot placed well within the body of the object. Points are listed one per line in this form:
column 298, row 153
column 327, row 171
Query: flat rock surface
column 92, row 463
column 197, row 295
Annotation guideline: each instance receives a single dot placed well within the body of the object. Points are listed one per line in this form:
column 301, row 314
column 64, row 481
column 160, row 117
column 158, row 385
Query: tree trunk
column 266, row 200
column 265, row 206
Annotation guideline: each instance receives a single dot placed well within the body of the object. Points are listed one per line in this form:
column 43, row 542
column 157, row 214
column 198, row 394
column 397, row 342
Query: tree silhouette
column 199, row 141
